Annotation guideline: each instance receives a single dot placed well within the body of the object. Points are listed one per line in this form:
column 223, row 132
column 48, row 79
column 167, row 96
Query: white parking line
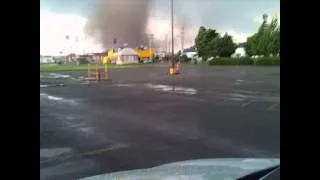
column 246, row 104
column 71, row 126
column 112, row 147
column 272, row 107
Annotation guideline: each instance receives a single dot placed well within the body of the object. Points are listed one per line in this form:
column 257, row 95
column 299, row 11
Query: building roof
column 127, row 52
column 191, row 49
column 98, row 54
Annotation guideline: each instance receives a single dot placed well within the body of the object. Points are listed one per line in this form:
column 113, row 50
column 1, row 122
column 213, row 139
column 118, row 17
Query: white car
column 147, row 61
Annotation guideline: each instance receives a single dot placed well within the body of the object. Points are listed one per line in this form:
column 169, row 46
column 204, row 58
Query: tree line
column 209, row 43
column 266, row 42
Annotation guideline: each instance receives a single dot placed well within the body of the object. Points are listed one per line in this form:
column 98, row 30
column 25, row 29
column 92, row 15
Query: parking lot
column 142, row 118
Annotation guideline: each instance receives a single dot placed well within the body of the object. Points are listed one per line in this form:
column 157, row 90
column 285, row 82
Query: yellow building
column 147, row 53
column 110, row 58
column 143, row 54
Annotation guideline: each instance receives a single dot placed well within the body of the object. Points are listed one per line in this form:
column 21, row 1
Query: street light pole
column 172, row 39
column 150, row 46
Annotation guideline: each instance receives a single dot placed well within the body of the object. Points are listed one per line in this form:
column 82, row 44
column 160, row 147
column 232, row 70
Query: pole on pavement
column 172, row 38
column 150, row 46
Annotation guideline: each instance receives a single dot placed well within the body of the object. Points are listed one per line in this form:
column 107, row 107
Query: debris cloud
column 123, row 20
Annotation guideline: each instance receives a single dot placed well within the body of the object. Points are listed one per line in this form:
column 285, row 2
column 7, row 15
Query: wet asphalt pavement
column 143, row 118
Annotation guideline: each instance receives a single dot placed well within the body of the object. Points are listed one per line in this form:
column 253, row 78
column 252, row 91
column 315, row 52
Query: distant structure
column 46, row 59
column 127, row 56
column 265, row 17
column 239, row 52
column 190, row 52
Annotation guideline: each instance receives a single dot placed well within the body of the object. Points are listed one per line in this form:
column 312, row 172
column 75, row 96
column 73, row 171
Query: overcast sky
column 240, row 18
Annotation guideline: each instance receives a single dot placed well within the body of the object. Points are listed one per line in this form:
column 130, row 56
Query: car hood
column 202, row 169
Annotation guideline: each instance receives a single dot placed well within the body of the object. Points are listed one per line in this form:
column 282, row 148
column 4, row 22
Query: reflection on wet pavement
column 167, row 88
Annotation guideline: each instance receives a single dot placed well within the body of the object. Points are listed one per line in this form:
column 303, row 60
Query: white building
column 190, row 52
column 127, row 56
column 46, row 59
column 240, row 52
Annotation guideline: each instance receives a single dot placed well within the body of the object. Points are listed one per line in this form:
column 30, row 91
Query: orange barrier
column 175, row 70
column 97, row 72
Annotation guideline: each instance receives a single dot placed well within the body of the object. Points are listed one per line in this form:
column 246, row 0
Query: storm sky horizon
column 240, row 18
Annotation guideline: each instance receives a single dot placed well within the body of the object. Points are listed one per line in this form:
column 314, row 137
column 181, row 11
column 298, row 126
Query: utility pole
column 169, row 48
column 182, row 39
column 166, row 44
column 150, row 46
column 114, row 44
column 172, row 37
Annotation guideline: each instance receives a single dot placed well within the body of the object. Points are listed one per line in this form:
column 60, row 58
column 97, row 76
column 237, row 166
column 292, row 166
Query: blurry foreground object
column 98, row 72
column 174, row 68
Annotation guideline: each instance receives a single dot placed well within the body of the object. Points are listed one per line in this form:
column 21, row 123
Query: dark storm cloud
column 124, row 20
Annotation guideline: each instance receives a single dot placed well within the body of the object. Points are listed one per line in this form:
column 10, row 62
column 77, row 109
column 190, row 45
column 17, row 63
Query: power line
column 182, row 39
column 150, row 37
column 166, row 44
column 172, row 37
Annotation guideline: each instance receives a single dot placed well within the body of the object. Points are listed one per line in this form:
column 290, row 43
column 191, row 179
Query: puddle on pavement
column 246, row 92
column 238, row 99
column 55, row 98
column 59, row 99
column 253, row 96
column 50, row 85
column 86, row 129
column 63, row 76
column 238, row 95
column 81, row 78
column 238, row 82
column 125, row 85
column 168, row 88
column 163, row 88
column 53, row 152
column 55, row 75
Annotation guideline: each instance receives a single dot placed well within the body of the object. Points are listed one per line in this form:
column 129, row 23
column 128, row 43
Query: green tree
column 209, row 43
column 202, row 41
column 274, row 35
column 276, row 42
column 266, row 41
column 211, row 34
column 213, row 46
column 249, row 46
column 225, row 46
column 199, row 41
column 262, row 37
